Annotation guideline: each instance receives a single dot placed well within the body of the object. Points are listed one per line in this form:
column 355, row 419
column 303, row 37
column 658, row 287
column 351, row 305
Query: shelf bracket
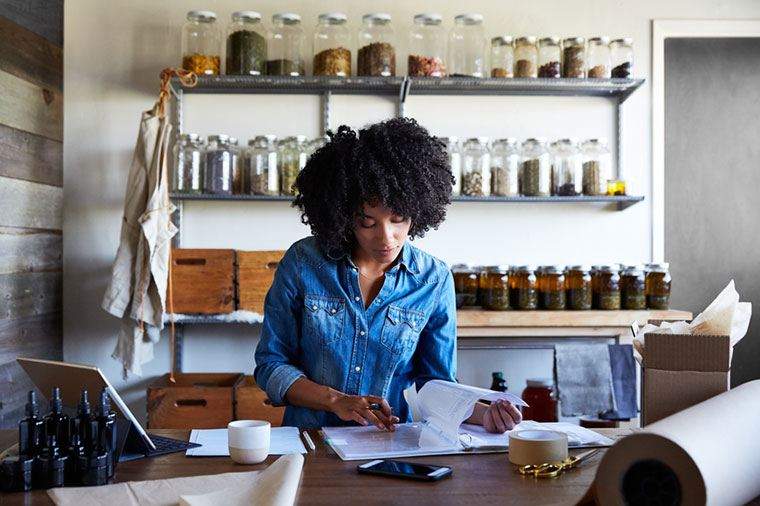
column 326, row 106
column 403, row 93
column 179, row 344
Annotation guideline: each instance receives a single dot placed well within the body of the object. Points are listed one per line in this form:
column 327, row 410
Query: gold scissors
column 554, row 469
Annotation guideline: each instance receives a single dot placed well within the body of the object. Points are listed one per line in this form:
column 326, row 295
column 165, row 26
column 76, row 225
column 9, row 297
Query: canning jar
column 496, row 295
column 621, row 55
column 237, row 170
column 476, row 178
column 505, row 165
column 567, row 173
column 523, row 290
column 246, row 45
column 221, row 162
column 285, row 51
column 535, row 168
column 455, row 161
column 606, row 288
column 260, row 166
column 201, row 43
column 427, row 47
column 377, row 51
column 502, row 56
column 287, row 160
column 188, row 164
column 658, row 284
column 332, row 46
column 578, row 287
column 632, row 288
column 598, row 63
column 467, row 56
column 549, row 57
column 542, row 403
column 480, row 270
column 526, row 57
column 551, row 287
column 465, row 285
column 574, row 57
column 597, row 169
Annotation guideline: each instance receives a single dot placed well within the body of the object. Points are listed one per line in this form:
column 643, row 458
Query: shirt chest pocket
column 401, row 329
column 323, row 317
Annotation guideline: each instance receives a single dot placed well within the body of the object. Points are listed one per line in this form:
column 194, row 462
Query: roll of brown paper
column 537, row 447
column 706, row 454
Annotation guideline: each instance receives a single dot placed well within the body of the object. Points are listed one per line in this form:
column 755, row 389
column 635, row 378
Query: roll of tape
column 537, row 447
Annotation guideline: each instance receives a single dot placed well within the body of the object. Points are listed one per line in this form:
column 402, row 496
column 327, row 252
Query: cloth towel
column 623, row 369
column 584, row 379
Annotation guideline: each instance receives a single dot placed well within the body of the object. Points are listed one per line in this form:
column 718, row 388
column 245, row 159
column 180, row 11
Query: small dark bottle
column 88, row 424
column 107, row 429
column 16, row 473
column 49, row 466
column 93, row 468
column 73, row 454
column 56, row 422
column 31, row 430
column 498, row 383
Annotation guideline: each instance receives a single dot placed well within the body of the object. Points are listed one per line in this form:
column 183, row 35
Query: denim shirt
column 315, row 325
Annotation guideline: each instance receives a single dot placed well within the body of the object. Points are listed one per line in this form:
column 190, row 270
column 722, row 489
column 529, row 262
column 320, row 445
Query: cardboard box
column 681, row 370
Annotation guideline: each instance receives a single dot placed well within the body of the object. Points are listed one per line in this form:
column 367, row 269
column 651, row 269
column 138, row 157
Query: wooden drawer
column 203, row 281
column 250, row 403
column 255, row 272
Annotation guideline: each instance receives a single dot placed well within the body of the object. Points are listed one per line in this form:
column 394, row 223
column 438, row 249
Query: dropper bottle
column 56, row 422
column 107, row 429
column 31, row 430
column 88, row 424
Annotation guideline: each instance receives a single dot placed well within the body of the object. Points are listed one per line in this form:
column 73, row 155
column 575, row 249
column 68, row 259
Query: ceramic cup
column 249, row 440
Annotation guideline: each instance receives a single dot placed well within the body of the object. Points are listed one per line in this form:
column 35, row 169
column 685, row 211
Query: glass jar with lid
column 288, row 161
column 505, row 166
column 598, row 62
column 427, row 47
column 260, row 166
column 549, row 57
column 377, row 47
column 221, row 160
column 578, row 287
column 246, row 45
column 535, row 168
column 476, row 177
column 467, row 56
column 567, row 172
column 597, row 169
column 201, row 43
column 502, row 56
column 621, row 56
column 188, row 164
column 541, row 400
column 551, row 287
column 526, row 57
column 332, row 46
column 574, row 57
column 238, row 178
column 606, row 287
column 465, row 285
column 523, row 289
column 632, row 288
column 496, row 297
column 285, row 50
column 658, row 285
column 454, row 151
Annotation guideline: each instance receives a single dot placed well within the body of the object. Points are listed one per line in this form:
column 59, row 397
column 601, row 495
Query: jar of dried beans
column 549, row 57
column 377, row 52
column 574, row 57
column 567, row 173
column 286, row 46
column 427, row 47
column 246, row 45
column 260, row 166
column 201, row 43
column 597, row 169
column 454, row 151
column 505, row 166
column 621, row 54
column 526, row 57
column 502, row 56
column 188, row 164
column 476, row 177
column 467, row 56
column 535, row 168
column 332, row 46
column 598, row 62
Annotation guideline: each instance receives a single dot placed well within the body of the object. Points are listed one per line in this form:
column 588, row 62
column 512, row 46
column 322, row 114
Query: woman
column 356, row 314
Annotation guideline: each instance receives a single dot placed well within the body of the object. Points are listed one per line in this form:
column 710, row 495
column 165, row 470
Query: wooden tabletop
column 593, row 318
column 327, row 480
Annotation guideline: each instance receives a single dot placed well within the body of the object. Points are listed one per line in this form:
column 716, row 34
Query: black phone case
column 417, row 477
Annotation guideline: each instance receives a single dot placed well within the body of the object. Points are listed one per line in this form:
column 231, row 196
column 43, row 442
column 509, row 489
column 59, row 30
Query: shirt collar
column 406, row 260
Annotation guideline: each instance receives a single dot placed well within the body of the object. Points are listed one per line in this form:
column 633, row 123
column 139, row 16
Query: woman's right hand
column 357, row 408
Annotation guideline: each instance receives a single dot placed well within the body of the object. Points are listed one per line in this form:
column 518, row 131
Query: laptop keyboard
column 168, row 445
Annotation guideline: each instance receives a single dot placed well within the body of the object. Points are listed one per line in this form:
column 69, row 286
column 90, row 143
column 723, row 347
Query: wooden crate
column 255, row 272
column 250, row 403
column 195, row 401
column 203, row 281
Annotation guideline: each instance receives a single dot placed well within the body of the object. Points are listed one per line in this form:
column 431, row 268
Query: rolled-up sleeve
column 276, row 355
column 436, row 353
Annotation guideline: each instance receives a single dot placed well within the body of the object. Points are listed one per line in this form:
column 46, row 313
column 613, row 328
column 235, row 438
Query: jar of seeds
column 523, row 291
column 526, row 57
column 505, row 166
column 465, row 285
column 621, row 54
column 288, row 158
column 535, row 168
column 549, row 57
column 574, row 57
column 551, row 287
column 658, row 285
column 578, row 287
column 496, row 296
column 286, row 46
column 606, row 288
column 260, row 166
column 598, row 62
column 567, row 173
column 246, row 45
column 502, row 56
column 188, row 164
column 221, row 161
column 427, row 47
column 476, row 176
column 377, row 52
column 201, row 43
column 632, row 288
column 455, row 160
column 332, row 46
column 597, row 162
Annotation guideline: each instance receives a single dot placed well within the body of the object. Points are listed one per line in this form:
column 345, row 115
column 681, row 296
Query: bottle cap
column 56, row 404
column 84, row 403
column 105, row 402
column 32, row 409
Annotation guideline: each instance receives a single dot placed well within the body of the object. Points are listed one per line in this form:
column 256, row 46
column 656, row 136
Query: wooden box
column 250, row 403
column 203, row 281
column 255, row 272
column 195, row 401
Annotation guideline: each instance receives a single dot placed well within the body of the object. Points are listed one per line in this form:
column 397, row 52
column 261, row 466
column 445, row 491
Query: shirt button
column 314, row 308
column 357, row 299
column 358, row 369
column 333, row 311
column 361, row 333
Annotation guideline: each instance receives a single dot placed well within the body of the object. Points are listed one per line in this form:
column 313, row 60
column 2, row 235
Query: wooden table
column 476, row 479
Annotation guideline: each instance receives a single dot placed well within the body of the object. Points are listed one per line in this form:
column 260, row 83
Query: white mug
column 248, row 440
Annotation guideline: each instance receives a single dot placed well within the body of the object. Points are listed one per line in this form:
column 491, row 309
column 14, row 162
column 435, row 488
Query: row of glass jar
column 533, row 168
column 267, row 166
column 552, row 287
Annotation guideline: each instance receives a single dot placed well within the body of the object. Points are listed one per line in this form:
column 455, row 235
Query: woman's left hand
column 501, row 416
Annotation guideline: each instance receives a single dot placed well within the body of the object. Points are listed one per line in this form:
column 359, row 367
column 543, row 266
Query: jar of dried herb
column 260, row 166
column 502, row 56
column 549, row 57
column 621, row 54
column 574, row 57
column 523, row 290
column 467, row 56
column 496, row 296
column 567, row 173
column 526, row 57
column 221, row 163
column 246, row 45
column 465, row 285
column 201, row 43
column 658, row 285
column 476, row 175
column 505, row 166
column 188, row 164
column 535, row 168
column 606, row 288
column 427, row 47
column 332, row 46
column 597, row 170
column 598, row 62
column 632, row 288
column 285, row 47
column 377, row 51
column 578, row 287
column 454, row 151
column 551, row 287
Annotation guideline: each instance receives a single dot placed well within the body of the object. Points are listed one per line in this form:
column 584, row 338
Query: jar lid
column 428, row 18
column 502, row 40
column 246, row 16
column 661, row 267
column 527, row 39
column 333, row 18
column 462, row 268
column 573, row 40
column 300, row 138
column 201, row 16
column 628, row 41
column 451, row 139
column 476, row 140
column 579, row 267
column 535, row 140
column 552, row 269
column 549, row 40
column 632, row 269
column 377, row 17
column 524, row 268
column 540, row 382
column 288, row 18
column 192, row 137
column 233, row 141
column 219, row 138
column 501, row 269
column 609, row 268
column 271, row 138
column 599, row 40
column 258, row 141
column 470, row 18
column 601, row 141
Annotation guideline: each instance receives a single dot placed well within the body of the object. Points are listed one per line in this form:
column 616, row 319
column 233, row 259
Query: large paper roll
column 537, row 447
column 706, row 454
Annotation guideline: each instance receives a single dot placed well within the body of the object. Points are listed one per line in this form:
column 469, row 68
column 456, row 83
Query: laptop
column 134, row 441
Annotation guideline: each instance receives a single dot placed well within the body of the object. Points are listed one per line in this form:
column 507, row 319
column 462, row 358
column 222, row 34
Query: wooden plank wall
column 31, row 193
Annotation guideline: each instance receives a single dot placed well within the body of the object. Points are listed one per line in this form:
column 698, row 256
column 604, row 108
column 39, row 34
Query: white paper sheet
column 577, row 436
column 283, row 441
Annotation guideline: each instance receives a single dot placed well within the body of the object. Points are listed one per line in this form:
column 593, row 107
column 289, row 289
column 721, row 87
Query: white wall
column 114, row 51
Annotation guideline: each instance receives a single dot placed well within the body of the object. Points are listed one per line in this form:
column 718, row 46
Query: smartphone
column 408, row 470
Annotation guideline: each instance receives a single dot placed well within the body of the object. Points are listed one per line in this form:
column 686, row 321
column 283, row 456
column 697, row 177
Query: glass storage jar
column 480, row 270
column 496, row 295
column 467, row 56
column 658, row 284
column 246, row 45
column 606, row 288
column 598, row 63
column 221, row 160
column 377, row 51
column 455, row 160
column 476, row 177
column 535, row 168
column 201, row 43
column 523, row 289
column 285, row 50
column 578, row 287
column 502, row 56
column 427, row 47
column 574, row 57
column 288, row 164
column 621, row 56
column 465, row 285
column 551, row 287
column 188, row 164
column 505, row 165
column 567, row 173
column 549, row 57
column 526, row 57
column 542, row 403
column 332, row 46
column 260, row 166
column 632, row 288
column 237, row 170
column 597, row 170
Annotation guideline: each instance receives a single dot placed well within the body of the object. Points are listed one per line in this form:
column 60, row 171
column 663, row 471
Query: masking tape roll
column 537, row 447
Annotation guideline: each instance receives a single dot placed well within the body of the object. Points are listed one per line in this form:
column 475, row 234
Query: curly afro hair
column 396, row 163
